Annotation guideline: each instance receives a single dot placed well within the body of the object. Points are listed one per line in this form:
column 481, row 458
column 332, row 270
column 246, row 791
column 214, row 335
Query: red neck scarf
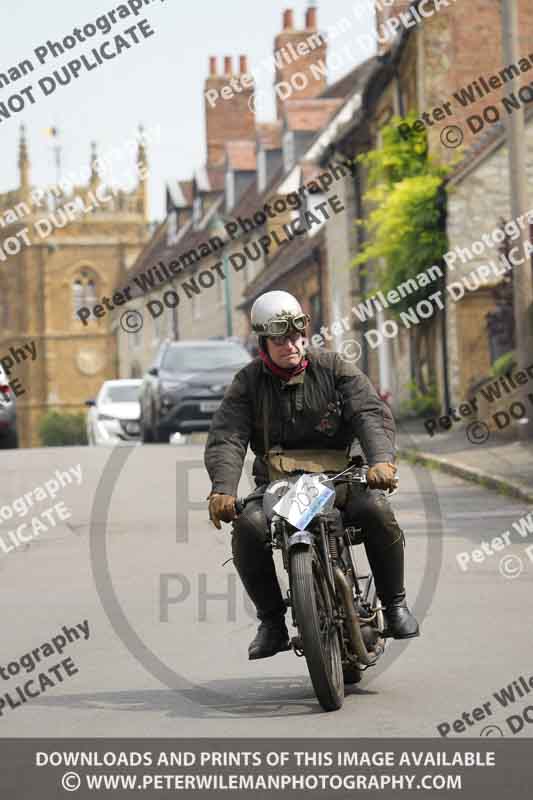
column 284, row 374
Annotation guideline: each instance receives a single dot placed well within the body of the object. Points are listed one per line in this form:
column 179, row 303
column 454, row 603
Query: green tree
column 406, row 225
column 58, row 429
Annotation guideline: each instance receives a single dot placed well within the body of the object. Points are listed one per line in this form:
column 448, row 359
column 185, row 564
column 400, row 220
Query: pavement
column 492, row 460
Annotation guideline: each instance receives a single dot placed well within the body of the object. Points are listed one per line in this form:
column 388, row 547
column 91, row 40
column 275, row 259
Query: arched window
column 83, row 292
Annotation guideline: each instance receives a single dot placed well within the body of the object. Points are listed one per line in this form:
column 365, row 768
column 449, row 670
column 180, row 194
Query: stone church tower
column 62, row 248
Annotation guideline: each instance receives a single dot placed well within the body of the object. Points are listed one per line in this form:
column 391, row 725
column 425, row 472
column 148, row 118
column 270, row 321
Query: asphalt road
column 169, row 624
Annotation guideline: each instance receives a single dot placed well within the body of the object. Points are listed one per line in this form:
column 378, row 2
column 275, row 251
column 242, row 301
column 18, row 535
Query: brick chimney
column 383, row 13
column 227, row 117
column 295, row 51
column 311, row 18
column 288, row 19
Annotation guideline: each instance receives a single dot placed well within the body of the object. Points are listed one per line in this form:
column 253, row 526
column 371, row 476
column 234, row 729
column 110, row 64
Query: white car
column 114, row 416
column 8, row 418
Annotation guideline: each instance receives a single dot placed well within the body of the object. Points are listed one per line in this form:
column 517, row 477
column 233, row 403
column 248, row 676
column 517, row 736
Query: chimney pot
column 227, row 65
column 243, row 65
column 311, row 18
column 212, row 65
column 288, row 19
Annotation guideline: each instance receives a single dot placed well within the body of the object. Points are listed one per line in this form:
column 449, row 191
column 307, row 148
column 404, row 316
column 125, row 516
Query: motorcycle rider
column 293, row 397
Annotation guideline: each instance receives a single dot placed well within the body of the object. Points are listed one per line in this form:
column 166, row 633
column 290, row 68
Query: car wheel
column 10, row 442
column 161, row 436
column 146, row 434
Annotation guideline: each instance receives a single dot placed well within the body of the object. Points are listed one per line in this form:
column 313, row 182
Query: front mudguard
column 299, row 538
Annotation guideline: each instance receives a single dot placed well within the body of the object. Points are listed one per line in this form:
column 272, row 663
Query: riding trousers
column 360, row 506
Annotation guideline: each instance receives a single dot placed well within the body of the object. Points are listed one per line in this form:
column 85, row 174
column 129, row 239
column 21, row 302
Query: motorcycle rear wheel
column 314, row 618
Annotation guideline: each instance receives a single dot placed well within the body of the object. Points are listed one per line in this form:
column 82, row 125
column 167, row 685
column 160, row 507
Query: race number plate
column 303, row 501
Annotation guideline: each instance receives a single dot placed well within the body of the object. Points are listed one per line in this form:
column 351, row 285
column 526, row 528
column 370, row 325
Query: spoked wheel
column 314, row 617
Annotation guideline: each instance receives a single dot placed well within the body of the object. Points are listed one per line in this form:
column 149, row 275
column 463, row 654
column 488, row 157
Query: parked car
column 250, row 342
column 8, row 414
column 114, row 416
column 185, row 386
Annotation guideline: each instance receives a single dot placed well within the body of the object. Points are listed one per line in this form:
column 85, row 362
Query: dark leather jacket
column 330, row 406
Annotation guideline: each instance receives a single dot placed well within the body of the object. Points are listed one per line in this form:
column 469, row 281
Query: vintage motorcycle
column 335, row 609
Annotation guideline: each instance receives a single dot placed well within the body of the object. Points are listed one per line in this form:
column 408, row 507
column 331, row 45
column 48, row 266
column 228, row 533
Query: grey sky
column 158, row 82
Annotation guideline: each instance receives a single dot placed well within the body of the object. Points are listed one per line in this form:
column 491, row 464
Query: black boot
column 400, row 623
column 254, row 563
column 272, row 637
column 387, row 566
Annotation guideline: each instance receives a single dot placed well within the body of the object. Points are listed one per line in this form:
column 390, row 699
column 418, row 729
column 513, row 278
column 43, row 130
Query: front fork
column 328, row 554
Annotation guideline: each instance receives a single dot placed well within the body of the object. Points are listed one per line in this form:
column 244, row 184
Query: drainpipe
column 360, row 235
column 227, row 283
column 320, row 267
column 227, row 293
column 444, row 314
column 412, row 354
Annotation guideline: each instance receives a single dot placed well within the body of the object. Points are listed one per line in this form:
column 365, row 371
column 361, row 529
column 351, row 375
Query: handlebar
column 360, row 477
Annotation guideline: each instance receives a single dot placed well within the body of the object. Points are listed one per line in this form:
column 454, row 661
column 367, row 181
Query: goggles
column 282, row 325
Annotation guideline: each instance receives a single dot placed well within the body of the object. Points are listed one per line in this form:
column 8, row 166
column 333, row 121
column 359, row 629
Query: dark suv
column 8, row 414
column 185, row 386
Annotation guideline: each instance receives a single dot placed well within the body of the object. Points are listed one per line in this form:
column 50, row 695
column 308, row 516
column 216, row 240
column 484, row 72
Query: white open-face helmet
column 275, row 313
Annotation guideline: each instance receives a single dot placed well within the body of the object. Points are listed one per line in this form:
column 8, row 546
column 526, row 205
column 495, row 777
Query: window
column 221, row 287
column 312, row 202
column 77, row 296
column 195, row 306
column 230, row 190
column 197, row 209
column 261, row 170
column 135, row 338
column 83, row 293
column 288, row 150
column 315, row 312
column 158, row 327
column 172, row 227
column 172, row 323
column 251, row 269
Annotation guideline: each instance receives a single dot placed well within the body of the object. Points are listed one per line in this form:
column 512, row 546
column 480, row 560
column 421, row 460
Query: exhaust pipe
column 367, row 657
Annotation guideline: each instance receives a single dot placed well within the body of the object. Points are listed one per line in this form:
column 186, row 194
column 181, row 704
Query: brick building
column 424, row 66
column 433, row 60
column 255, row 164
column 69, row 257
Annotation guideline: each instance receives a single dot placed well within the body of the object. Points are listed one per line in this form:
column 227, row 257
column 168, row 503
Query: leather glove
column 221, row 507
column 381, row 476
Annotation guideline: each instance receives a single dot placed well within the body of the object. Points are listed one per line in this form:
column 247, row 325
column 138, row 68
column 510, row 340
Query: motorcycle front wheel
column 313, row 610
